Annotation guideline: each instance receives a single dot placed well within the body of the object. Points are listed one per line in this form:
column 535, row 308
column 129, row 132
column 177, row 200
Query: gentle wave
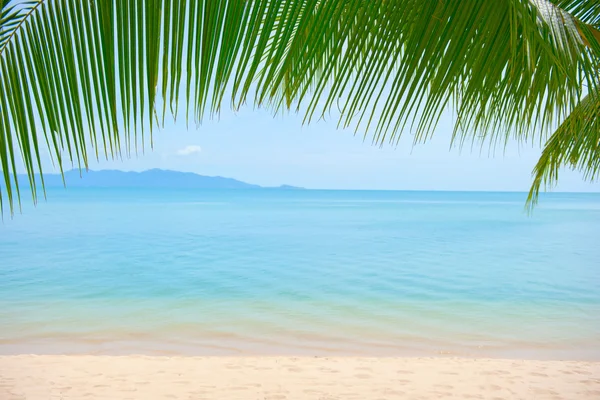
column 254, row 272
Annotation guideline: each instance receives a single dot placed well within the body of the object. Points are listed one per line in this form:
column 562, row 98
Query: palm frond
column 12, row 15
column 586, row 11
column 575, row 144
column 83, row 79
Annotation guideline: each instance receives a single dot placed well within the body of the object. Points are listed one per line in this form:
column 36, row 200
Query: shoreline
column 246, row 349
column 280, row 378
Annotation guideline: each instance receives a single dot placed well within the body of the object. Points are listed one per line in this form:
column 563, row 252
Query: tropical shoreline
column 35, row 377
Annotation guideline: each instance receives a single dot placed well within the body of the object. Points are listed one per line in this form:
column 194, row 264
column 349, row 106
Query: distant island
column 153, row 178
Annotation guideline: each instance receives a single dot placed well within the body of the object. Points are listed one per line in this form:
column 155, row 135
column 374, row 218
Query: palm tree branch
column 15, row 19
column 575, row 144
column 93, row 76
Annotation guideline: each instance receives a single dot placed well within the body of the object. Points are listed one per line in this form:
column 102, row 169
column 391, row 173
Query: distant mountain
column 154, row 178
column 288, row 187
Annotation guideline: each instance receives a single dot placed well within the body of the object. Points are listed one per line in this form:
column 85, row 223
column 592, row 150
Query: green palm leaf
column 94, row 78
column 576, row 144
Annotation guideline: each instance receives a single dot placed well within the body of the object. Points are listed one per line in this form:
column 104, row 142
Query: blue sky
column 253, row 146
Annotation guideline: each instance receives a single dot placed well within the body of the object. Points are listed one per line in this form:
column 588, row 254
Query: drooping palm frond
column 92, row 78
column 586, row 11
column 12, row 17
column 576, row 144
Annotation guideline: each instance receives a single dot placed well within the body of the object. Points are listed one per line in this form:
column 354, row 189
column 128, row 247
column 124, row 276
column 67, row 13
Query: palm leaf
column 575, row 144
column 94, row 78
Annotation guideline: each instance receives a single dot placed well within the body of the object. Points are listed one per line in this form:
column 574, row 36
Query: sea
column 302, row 272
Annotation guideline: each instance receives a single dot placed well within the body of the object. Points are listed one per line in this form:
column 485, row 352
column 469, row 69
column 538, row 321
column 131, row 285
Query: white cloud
column 189, row 150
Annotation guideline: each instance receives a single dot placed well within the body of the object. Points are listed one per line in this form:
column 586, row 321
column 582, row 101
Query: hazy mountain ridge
column 146, row 179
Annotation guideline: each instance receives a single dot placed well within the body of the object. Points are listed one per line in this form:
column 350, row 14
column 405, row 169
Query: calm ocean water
column 302, row 272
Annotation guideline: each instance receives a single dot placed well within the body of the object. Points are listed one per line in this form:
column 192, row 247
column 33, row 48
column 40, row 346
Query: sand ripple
column 279, row 378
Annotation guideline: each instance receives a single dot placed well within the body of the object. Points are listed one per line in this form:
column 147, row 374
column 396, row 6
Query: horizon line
column 82, row 171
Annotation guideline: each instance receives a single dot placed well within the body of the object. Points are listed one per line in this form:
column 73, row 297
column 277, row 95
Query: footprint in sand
column 444, row 387
column 539, row 374
column 311, row 391
column 449, row 373
column 329, row 370
column 276, row 397
column 395, row 392
column 404, row 371
column 545, row 392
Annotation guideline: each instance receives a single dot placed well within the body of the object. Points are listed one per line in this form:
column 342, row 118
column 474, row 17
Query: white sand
column 278, row 378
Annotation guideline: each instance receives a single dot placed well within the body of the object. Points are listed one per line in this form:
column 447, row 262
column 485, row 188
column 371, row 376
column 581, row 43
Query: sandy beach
column 48, row 377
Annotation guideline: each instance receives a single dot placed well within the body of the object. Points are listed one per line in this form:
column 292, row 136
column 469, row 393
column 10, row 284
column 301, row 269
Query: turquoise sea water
column 302, row 272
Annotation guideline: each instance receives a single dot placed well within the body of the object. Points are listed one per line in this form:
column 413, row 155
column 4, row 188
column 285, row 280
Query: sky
column 253, row 146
